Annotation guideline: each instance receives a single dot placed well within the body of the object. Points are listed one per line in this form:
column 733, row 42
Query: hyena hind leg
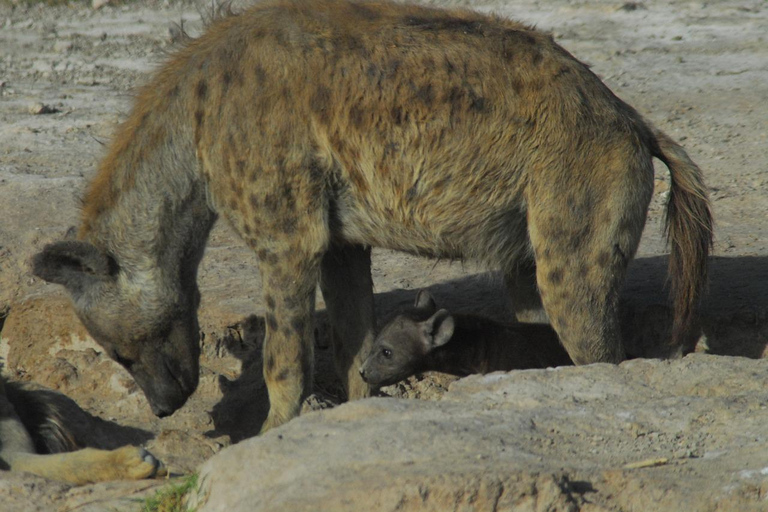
column 347, row 289
column 579, row 273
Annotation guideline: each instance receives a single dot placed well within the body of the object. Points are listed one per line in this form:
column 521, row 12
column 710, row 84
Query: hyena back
column 321, row 128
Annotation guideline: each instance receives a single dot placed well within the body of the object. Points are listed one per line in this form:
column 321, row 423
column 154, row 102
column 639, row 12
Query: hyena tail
column 40, row 415
column 688, row 226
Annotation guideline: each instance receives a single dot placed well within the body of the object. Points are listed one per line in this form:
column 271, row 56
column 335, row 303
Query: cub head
column 402, row 345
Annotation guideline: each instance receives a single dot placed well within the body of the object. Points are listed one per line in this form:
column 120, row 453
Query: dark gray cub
column 425, row 338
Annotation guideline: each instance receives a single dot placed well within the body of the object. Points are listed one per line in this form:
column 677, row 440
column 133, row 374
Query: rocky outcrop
column 690, row 434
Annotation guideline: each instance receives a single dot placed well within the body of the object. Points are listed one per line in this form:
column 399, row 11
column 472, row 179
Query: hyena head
column 149, row 328
column 402, row 345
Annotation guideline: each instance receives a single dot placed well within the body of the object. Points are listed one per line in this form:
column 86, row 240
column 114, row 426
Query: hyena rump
column 321, row 128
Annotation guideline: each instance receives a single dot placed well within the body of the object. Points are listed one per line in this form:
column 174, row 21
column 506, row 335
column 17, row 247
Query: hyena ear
column 425, row 301
column 438, row 329
column 74, row 264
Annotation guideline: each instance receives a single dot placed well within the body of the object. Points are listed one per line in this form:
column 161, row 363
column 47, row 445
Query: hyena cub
column 424, row 338
column 34, row 438
column 322, row 128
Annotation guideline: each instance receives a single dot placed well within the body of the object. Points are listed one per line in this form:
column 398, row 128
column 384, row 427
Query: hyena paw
column 135, row 463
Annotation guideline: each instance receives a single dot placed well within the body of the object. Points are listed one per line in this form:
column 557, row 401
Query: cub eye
column 386, row 353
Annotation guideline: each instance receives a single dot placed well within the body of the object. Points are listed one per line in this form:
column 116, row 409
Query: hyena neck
column 147, row 206
column 464, row 354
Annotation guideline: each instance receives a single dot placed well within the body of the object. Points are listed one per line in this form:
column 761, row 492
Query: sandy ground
column 697, row 70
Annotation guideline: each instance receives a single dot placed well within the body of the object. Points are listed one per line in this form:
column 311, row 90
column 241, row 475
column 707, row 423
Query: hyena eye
column 386, row 353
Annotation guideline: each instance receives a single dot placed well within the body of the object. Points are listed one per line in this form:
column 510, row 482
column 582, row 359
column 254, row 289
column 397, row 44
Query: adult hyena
column 321, row 128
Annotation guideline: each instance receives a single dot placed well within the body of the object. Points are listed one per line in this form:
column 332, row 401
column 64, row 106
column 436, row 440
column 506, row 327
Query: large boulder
column 690, row 434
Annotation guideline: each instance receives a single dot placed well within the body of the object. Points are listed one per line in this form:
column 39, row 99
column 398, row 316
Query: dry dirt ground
column 698, row 70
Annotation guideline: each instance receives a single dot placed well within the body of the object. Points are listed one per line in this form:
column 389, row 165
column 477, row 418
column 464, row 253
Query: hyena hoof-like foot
column 135, row 463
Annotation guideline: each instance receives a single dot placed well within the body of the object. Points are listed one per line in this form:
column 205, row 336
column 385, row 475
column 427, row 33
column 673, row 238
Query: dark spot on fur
column 270, row 301
column 425, row 94
column 519, row 37
column 356, row 117
column 320, row 99
column 266, row 256
column 202, row 90
column 288, row 225
column 449, row 67
column 226, row 80
column 254, row 201
column 452, row 24
column 174, row 92
column 298, row 324
column 271, row 322
column 199, row 118
column 583, row 271
column 556, row 276
column 364, row 12
column 288, row 197
column 399, row 116
column 536, row 57
column 271, row 202
column 604, row 258
column 282, row 375
column 578, row 239
column 246, row 229
column 261, row 75
column 270, row 363
column 562, row 72
column 561, row 323
column 478, row 104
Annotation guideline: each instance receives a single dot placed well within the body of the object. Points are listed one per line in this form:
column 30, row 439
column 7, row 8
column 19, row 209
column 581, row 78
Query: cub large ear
column 438, row 329
column 425, row 301
column 74, row 264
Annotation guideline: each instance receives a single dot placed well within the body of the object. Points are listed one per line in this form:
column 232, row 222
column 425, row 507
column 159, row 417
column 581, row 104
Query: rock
column 598, row 437
column 62, row 46
column 41, row 108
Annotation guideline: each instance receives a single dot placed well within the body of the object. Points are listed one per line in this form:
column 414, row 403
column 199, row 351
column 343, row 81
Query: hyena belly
column 324, row 127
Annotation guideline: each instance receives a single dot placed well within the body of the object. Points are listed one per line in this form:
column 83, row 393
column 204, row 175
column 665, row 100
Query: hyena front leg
column 523, row 294
column 289, row 292
column 90, row 465
column 348, row 292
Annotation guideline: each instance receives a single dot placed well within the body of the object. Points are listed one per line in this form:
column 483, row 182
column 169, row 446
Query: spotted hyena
column 424, row 338
column 34, row 438
column 321, row 128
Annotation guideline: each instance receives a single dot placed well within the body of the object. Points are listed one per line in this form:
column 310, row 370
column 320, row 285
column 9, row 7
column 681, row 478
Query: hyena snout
column 167, row 371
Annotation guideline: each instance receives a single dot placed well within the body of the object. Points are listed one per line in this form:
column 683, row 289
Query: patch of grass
column 170, row 498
